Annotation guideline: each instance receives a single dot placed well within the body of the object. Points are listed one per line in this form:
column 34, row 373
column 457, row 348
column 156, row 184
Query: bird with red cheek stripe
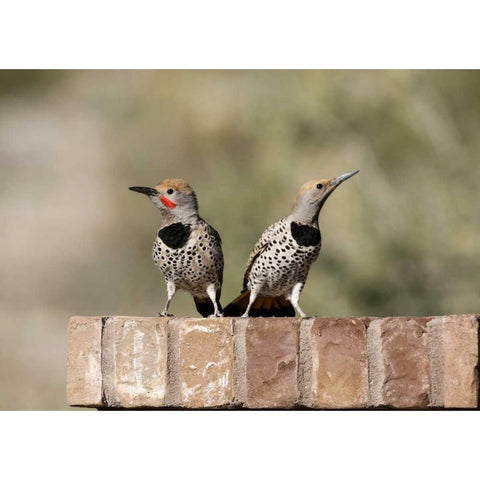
column 187, row 250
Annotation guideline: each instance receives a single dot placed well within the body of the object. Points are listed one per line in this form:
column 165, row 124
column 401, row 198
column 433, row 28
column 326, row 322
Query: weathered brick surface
column 355, row 362
column 271, row 362
column 84, row 350
column 204, row 364
column 453, row 350
column 240, row 361
column 398, row 362
column 333, row 363
column 134, row 362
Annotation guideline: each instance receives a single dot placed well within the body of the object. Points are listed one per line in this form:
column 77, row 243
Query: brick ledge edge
column 116, row 362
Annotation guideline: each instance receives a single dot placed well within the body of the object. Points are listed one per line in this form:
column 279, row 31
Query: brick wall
column 319, row 363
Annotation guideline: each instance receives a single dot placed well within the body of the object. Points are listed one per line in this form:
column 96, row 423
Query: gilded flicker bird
column 279, row 262
column 187, row 250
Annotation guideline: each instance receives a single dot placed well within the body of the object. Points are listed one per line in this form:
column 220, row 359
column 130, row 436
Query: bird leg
column 170, row 293
column 253, row 296
column 294, row 295
column 212, row 294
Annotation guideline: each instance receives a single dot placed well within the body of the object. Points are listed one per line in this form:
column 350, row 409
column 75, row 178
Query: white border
column 239, row 445
column 248, row 34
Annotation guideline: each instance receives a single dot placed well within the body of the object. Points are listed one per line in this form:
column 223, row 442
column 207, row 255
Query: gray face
column 318, row 193
column 173, row 203
column 180, row 199
column 313, row 195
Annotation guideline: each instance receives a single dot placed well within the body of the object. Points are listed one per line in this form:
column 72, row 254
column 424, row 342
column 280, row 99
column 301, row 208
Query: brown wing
column 217, row 239
column 262, row 243
column 251, row 261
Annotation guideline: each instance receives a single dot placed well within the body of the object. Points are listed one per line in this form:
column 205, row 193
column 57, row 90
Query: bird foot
column 216, row 315
column 165, row 314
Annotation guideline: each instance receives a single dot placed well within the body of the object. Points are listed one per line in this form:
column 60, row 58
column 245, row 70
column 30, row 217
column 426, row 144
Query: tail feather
column 205, row 306
column 262, row 307
column 238, row 306
column 267, row 304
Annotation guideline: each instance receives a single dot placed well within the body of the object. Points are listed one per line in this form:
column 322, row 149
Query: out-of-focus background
column 400, row 238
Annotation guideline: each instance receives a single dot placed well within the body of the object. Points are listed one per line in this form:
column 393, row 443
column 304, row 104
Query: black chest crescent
column 305, row 235
column 175, row 235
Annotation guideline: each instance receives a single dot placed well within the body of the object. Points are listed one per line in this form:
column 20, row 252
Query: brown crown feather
column 176, row 183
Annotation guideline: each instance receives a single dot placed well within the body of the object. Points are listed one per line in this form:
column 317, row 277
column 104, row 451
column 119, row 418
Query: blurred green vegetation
column 401, row 238
column 27, row 81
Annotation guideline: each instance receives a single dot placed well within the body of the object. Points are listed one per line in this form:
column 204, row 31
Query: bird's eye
column 170, row 191
column 319, row 186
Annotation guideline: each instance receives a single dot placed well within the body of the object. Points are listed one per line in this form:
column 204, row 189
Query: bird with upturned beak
column 187, row 250
column 279, row 263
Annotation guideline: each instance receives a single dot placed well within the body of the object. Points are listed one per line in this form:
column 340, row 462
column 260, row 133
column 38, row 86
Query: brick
column 271, row 362
column 398, row 362
column 134, row 362
column 240, row 361
column 333, row 362
column 84, row 368
column 202, row 362
column 453, row 351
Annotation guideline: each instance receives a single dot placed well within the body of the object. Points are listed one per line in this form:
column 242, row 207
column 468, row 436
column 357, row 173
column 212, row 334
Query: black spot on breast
column 305, row 235
column 175, row 235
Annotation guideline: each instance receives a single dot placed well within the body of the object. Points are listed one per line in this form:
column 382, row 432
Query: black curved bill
column 145, row 190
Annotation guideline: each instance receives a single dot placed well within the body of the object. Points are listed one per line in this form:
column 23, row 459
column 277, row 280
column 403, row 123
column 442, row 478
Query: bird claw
column 165, row 314
column 216, row 315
